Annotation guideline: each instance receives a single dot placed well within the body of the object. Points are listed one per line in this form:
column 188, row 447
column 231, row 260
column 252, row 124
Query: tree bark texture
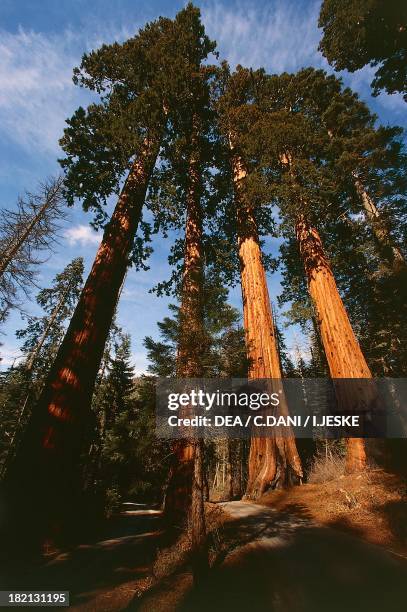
column 344, row 356
column 185, row 492
column 45, row 467
column 273, row 461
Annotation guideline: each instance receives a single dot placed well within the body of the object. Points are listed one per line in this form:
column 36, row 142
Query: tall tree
column 189, row 156
column 297, row 147
column 225, row 356
column 370, row 160
column 367, row 162
column 360, row 32
column 43, row 335
column 273, row 461
column 139, row 82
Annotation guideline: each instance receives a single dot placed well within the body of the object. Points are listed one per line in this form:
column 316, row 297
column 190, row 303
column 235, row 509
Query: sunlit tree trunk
column 273, row 461
column 44, row 469
column 381, row 232
column 344, row 356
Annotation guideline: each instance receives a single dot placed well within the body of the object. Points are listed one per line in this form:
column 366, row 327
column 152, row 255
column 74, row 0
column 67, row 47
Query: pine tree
column 25, row 232
column 112, row 404
column 360, row 32
column 225, row 357
column 42, row 337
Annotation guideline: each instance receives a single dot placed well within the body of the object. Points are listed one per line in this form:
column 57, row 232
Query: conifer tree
column 374, row 32
column 369, row 159
column 42, row 336
column 140, row 84
column 188, row 156
column 225, row 354
column 273, row 461
column 26, row 231
column 369, row 268
column 296, row 145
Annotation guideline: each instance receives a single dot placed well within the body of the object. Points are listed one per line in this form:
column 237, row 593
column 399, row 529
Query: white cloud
column 82, row 234
column 278, row 35
column 36, row 89
column 284, row 36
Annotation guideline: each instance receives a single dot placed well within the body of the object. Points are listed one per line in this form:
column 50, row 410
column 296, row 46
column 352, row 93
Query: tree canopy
column 360, row 32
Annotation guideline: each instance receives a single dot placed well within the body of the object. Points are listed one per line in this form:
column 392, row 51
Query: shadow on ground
column 282, row 562
column 122, row 554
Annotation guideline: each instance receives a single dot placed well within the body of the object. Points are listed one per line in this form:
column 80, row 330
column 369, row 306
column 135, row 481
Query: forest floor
column 372, row 506
column 330, row 547
column 103, row 575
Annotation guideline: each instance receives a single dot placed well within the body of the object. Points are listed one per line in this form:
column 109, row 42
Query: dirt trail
column 284, row 562
column 100, row 575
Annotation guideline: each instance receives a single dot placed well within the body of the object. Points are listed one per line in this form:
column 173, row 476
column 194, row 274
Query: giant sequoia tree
column 294, row 147
column 186, row 157
column 273, row 461
column 139, row 82
column 367, row 165
column 369, row 161
column 360, row 32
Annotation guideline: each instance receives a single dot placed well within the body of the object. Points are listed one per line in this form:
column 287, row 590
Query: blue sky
column 42, row 40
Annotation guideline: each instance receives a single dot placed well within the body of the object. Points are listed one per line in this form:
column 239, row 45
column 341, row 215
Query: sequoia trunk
column 344, row 356
column 185, row 492
column 273, row 461
column 45, row 466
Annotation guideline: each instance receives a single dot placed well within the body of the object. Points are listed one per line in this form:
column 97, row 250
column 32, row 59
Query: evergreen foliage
column 374, row 32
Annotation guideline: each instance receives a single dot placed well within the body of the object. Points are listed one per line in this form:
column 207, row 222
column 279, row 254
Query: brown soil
column 372, row 505
column 298, row 531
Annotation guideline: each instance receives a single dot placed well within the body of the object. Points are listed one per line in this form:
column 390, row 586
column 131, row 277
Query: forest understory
column 286, row 186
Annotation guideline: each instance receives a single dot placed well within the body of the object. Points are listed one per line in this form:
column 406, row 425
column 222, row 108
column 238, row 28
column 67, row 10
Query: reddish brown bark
column 47, row 460
column 273, row 461
column 182, row 488
column 344, row 356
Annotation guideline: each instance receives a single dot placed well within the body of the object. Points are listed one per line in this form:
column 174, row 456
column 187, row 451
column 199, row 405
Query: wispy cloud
column 36, row 89
column 37, row 93
column 279, row 35
column 82, row 234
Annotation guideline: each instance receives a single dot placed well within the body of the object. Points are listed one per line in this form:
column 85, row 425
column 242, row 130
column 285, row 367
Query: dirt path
column 284, row 562
column 102, row 575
